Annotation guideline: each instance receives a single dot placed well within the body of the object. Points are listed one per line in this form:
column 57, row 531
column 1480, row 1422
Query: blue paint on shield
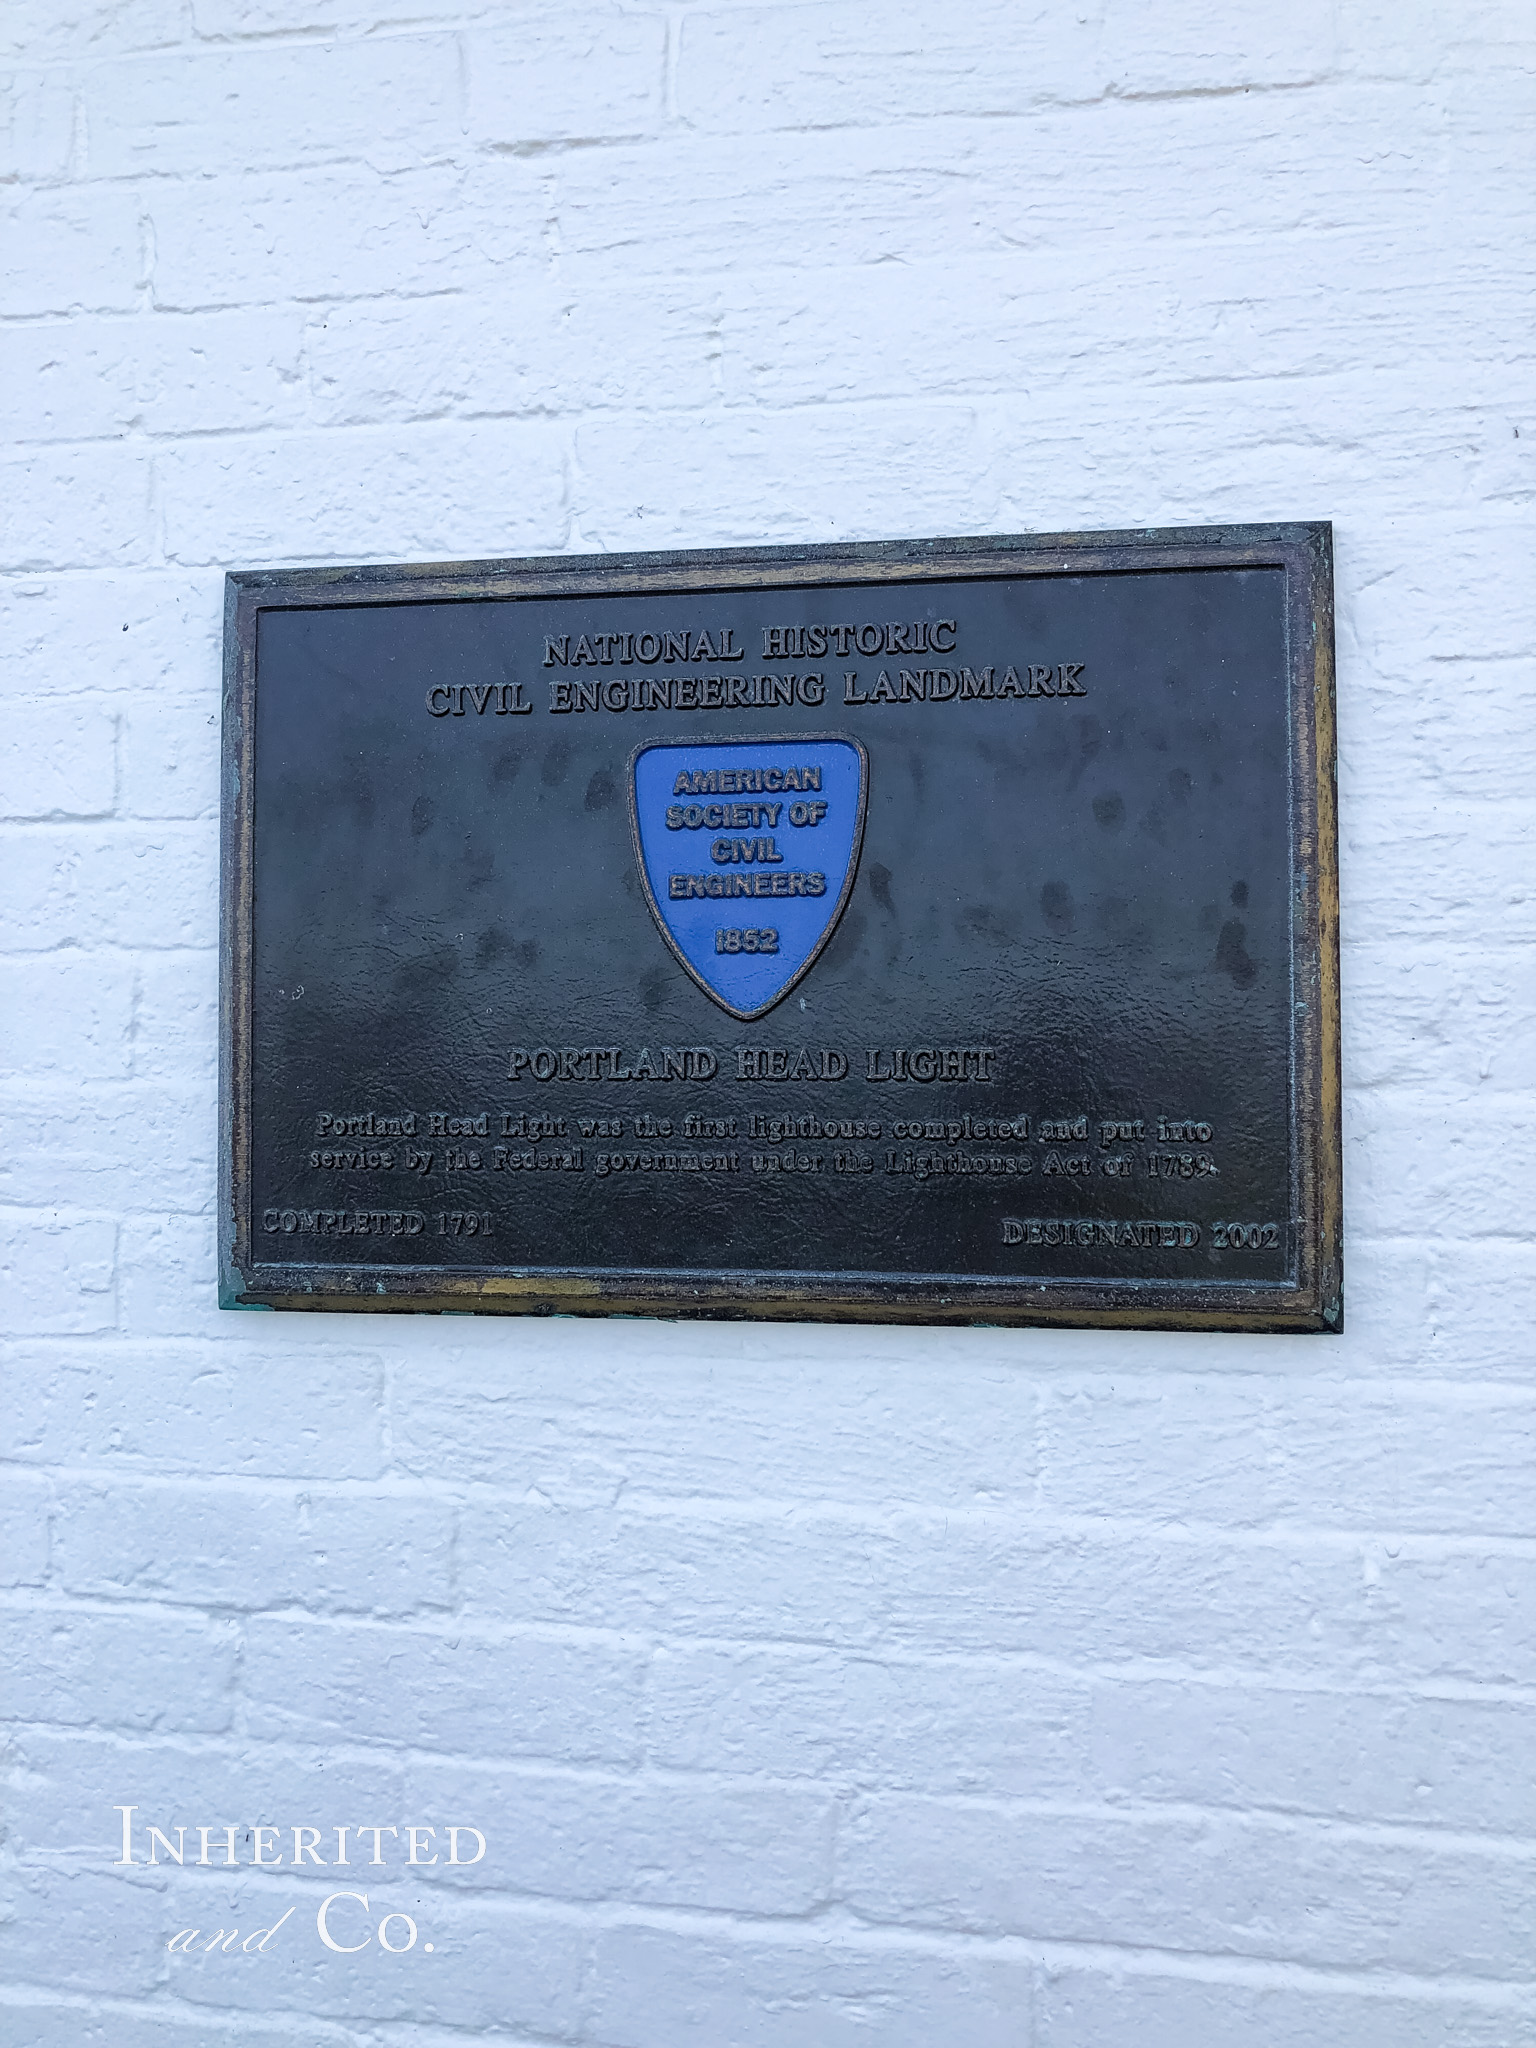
column 748, row 849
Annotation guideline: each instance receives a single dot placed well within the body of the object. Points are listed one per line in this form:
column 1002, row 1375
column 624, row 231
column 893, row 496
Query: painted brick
column 239, row 21
column 81, row 506
column 653, row 1987
column 80, row 378
column 59, row 1274
column 1436, row 582
column 68, row 1012
column 89, row 1668
column 175, row 1013
column 334, row 232
column 534, row 348
column 171, row 1406
column 952, row 1583
column 169, row 1280
column 972, row 1725
column 1451, row 738
column 1162, row 316
column 958, row 190
column 36, row 126
column 1176, row 1450
column 506, row 1695
column 1444, row 1306
column 155, row 2026
column 1210, row 1886
column 100, row 1139
column 699, row 1422
column 169, row 755
column 978, row 1725
column 1268, row 436
column 1488, row 31
column 197, row 112
column 83, row 250
column 1203, row 49
column 127, row 634
column 1412, row 1760
column 1255, row 1452
column 141, row 885
column 58, row 761
column 361, row 495
column 734, row 1848
column 754, row 68
column 1466, row 1164
column 25, row 1512
column 1435, row 1460
column 1459, row 1030
column 55, row 1928
column 46, row 30
column 230, row 19
column 639, row 475
column 569, row 77
column 1084, row 2008
column 1465, row 1616
column 1450, row 863
column 251, row 1548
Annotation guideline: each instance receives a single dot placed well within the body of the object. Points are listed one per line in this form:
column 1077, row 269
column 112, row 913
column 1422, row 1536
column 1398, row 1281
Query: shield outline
column 855, row 852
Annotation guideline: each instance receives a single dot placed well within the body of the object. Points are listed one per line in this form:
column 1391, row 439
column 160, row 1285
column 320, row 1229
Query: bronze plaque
column 938, row 931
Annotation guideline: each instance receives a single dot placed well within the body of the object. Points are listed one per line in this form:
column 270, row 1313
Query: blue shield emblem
column 748, row 850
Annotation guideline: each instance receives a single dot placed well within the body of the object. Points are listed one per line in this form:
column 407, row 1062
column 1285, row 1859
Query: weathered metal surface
column 560, row 977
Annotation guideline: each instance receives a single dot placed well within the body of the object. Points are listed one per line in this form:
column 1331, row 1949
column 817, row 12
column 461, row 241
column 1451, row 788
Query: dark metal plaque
column 938, row 931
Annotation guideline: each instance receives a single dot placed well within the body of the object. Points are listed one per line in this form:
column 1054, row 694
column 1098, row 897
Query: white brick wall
column 813, row 1687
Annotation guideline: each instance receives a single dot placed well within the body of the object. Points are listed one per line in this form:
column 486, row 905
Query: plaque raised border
column 1315, row 1301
